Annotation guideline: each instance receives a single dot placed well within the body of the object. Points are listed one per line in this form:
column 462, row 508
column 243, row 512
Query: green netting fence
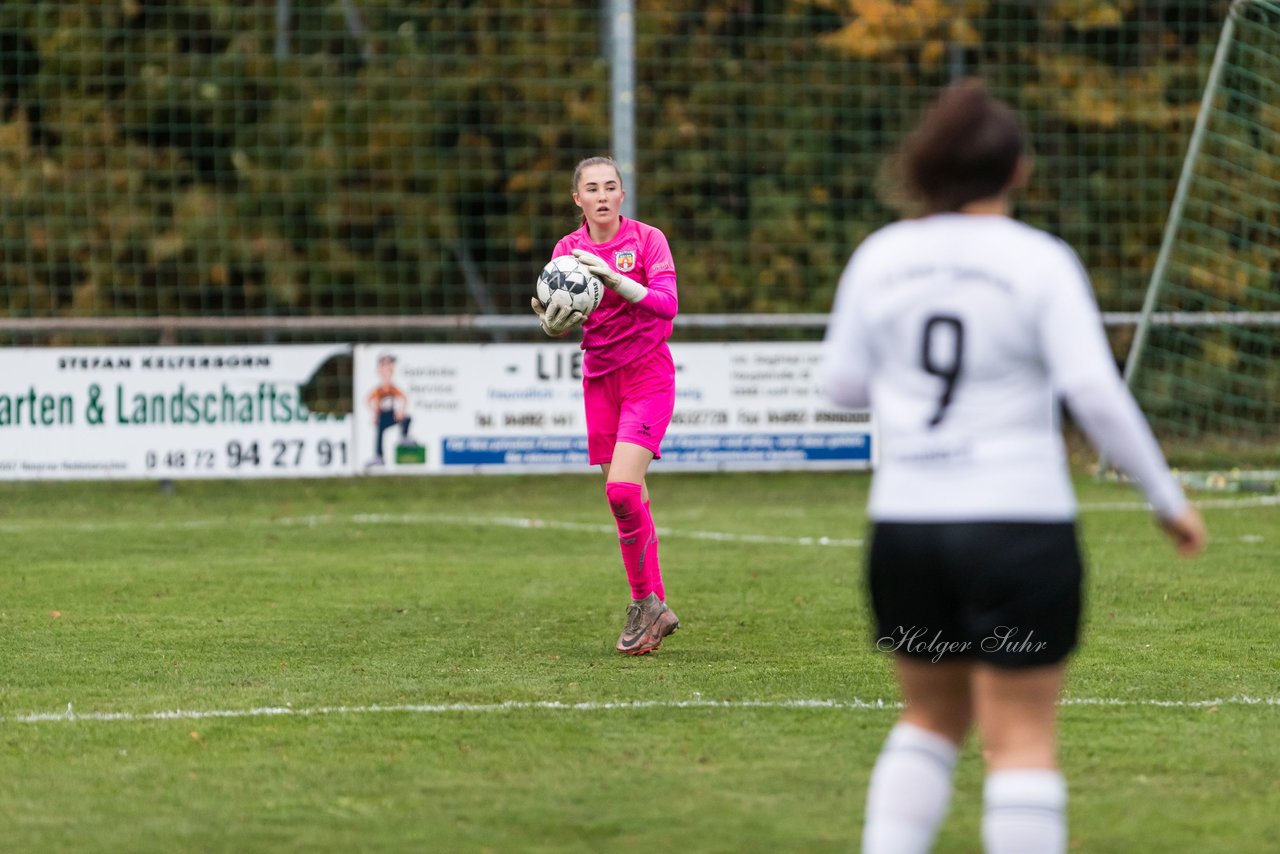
column 301, row 170
column 285, row 159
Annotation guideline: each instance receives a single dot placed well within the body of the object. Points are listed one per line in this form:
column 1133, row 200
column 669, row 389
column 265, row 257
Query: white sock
column 1025, row 812
column 909, row 793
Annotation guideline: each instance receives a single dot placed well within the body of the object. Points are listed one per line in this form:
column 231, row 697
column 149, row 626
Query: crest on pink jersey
column 624, row 261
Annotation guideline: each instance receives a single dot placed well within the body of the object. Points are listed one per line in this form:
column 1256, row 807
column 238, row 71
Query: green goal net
column 296, row 170
column 1205, row 359
column 293, row 171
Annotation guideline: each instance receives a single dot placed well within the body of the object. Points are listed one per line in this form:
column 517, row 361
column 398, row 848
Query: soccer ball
column 565, row 280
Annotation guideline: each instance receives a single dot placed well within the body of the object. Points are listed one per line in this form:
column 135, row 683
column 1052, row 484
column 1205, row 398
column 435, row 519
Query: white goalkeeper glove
column 629, row 289
column 557, row 319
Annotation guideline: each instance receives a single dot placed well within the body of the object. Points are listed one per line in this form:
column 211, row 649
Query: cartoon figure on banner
column 390, row 407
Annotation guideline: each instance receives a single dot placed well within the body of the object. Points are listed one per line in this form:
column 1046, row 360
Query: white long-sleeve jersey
column 961, row 332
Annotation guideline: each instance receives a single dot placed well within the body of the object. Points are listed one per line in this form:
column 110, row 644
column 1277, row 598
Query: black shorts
column 1005, row 593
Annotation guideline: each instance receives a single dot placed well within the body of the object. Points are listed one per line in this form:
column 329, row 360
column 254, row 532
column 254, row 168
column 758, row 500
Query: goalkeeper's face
column 600, row 194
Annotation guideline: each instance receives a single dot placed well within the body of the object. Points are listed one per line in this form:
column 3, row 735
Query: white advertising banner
column 431, row 409
column 162, row 413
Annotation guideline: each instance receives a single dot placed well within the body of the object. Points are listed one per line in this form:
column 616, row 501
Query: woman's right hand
column 557, row 319
column 1187, row 531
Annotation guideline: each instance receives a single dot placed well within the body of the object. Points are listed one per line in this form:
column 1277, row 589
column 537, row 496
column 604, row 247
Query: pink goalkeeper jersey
column 618, row 332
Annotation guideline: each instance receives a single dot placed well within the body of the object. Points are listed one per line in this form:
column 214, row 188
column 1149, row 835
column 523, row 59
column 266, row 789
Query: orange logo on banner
column 624, row 261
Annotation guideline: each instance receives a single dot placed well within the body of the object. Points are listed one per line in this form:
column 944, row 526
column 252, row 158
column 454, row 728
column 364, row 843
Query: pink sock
column 651, row 564
column 633, row 532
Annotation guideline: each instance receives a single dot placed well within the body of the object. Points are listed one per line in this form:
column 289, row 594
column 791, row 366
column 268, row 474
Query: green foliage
column 198, row 169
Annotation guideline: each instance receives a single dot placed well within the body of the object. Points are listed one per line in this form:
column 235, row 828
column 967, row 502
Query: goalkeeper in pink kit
column 628, row 380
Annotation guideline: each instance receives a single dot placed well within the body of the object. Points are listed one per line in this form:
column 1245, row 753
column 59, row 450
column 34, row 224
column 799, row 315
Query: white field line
column 519, row 522
column 532, row 523
column 1202, row 503
column 434, row 519
column 70, row 715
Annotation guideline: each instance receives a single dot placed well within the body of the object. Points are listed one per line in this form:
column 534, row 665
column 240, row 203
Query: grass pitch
column 406, row 665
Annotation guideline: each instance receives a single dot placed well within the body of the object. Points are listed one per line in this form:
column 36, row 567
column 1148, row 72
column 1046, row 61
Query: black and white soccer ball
column 565, row 280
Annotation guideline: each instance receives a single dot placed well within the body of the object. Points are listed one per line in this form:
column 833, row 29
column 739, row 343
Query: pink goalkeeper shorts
column 632, row 404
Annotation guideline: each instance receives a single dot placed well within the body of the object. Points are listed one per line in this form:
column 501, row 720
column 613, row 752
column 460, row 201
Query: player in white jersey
column 962, row 329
